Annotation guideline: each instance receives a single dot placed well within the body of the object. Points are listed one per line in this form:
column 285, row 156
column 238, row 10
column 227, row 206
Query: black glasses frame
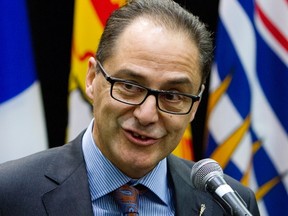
column 154, row 92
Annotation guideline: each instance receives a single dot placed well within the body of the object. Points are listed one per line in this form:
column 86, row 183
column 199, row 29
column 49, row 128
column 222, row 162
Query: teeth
column 139, row 136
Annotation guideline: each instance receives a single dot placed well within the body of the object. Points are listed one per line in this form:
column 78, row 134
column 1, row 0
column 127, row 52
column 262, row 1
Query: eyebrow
column 130, row 73
column 137, row 76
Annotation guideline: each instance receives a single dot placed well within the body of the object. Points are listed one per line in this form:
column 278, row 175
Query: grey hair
column 166, row 13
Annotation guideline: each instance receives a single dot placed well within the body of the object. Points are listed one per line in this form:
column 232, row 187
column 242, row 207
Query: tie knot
column 127, row 198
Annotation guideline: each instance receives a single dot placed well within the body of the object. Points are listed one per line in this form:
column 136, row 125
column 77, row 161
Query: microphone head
column 204, row 170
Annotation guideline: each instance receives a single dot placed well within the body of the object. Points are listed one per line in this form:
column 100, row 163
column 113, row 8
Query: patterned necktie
column 127, row 198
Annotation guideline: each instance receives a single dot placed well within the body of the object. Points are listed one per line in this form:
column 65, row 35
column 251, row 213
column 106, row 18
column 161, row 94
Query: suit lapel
column 189, row 201
column 69, row 191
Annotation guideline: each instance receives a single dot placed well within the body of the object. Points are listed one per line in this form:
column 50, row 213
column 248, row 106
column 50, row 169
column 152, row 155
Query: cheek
column 177, row 125
column 108, row 109
column 101, row 95
column 102, row 105
column 104, row 119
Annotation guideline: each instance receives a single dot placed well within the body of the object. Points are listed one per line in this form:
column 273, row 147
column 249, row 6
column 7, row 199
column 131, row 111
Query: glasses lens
column 174, row 102
column 128, row 92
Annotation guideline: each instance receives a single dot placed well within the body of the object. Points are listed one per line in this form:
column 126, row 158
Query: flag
column 22, row 125
column 248, row 101
column 89, row 21
column 185, row 148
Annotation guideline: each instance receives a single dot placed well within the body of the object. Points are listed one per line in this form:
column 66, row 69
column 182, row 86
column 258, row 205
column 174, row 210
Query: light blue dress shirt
column 104, row 178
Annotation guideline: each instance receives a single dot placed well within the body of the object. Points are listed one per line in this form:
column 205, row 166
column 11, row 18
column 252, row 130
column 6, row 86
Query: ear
column 196, row 104
column 91, row 73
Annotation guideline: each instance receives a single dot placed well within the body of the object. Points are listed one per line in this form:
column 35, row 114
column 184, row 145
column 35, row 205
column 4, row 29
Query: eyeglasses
column 131, row 93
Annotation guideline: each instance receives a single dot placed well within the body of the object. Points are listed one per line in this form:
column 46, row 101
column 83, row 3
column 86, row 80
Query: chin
column 145, row 163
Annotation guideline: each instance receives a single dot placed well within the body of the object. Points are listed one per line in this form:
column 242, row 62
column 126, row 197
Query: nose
column 147, row 112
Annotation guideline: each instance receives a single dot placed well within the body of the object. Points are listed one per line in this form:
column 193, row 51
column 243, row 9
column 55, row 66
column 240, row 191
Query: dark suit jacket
column 54, row 182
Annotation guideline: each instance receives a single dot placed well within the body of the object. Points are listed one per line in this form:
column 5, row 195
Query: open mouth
column 138, row 136
column 139, row 139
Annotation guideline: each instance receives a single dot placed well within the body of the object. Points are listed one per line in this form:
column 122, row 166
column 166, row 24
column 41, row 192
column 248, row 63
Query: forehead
column 157, row 50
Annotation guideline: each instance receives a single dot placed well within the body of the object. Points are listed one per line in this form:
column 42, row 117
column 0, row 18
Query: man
column 145, row 84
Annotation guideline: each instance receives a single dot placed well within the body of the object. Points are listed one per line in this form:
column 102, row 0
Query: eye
column 131, row 87
column 171, row 97
column 128, row 88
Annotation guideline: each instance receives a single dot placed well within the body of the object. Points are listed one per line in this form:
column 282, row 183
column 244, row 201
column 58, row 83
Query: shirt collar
column 104, row 177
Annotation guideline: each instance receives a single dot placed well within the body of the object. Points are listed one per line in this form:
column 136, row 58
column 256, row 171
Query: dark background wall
column 52, row 25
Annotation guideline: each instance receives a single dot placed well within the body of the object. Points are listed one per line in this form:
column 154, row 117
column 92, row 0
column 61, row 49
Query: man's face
column 136, row 138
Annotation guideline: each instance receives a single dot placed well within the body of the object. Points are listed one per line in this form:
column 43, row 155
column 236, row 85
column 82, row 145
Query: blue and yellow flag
column 248, row 102
column 22, row 124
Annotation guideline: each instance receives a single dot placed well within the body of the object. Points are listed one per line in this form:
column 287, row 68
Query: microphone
column 207, row 175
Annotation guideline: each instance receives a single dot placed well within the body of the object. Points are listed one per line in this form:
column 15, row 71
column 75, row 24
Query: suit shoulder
column 239, row 187
column 39, row 160
column 180, row 161
column 32, row 168
column 27, row 165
